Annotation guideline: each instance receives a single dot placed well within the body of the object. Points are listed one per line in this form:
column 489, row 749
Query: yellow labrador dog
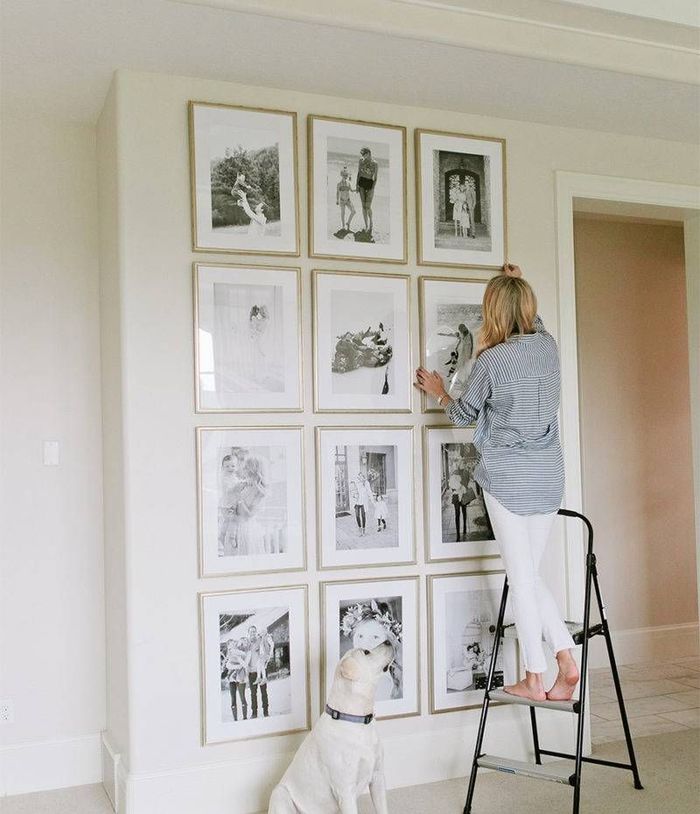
column 342, row 754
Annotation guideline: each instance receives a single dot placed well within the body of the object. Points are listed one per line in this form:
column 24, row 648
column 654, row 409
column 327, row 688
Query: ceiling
column 58, row 57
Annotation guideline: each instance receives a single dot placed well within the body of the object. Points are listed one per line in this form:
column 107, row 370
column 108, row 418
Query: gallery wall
column 165, row 767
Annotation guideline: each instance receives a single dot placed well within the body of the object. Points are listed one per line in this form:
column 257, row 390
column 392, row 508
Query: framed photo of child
column 251, row 509
column 254, row 657
column 461, row 199
column 457, row 524
column 357, row 190
column 365, row 496
column 243, row 164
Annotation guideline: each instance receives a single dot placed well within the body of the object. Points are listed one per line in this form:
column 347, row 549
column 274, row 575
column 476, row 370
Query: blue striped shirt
column 513, row 395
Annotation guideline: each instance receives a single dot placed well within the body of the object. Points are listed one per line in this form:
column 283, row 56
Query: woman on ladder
column 513, row 395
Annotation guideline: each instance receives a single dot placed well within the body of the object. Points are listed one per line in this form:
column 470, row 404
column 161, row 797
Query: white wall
column 51, row 569
column 168, row 769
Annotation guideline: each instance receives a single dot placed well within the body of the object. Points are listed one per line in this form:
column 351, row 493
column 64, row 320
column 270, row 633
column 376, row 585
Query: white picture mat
column 428, row 143
column 282, row 128
column 330, row 438
column 326, row 336
column 210, row 442
column 407, row 589
column 288, row 281
column 212, row 605
column 439, row 587
column 437, row 550
column 322, row 129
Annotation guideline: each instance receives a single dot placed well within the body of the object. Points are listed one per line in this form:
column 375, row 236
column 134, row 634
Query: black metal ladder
column 581, row 634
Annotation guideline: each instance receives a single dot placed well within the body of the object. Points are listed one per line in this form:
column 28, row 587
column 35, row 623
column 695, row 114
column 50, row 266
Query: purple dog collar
column 344, row 716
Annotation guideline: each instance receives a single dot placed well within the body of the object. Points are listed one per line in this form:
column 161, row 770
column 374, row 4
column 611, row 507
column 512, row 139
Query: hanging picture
column 254, row 651
column 244, row 179
column 366, row 613
column 251, row 516
column 247, row 338
column 463, row 612
column 457, row 525
column 362, row 352
column 460, row 199
column 365, row 496
column 450, row 321
column 357, row 190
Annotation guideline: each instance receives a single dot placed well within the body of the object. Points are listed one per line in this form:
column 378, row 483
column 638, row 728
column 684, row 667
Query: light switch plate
column 51, row 453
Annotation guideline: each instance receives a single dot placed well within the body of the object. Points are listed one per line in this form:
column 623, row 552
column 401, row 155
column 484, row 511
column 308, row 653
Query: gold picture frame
column 422, row 260
column 403, row 259
column 323, row 590
column 197, row 245
column 199, row 409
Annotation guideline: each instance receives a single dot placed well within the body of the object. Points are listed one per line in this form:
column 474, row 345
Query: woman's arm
column 464, row 410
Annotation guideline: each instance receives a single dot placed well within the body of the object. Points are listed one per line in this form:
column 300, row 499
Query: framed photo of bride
column 362, row 349
column 247, row 336
column 250, row 500
column 461, row 199
column 243, row 165
column 450, row 320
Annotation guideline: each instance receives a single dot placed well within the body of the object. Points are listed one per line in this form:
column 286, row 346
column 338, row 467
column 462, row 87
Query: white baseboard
column 110, row 771
column 648, row 644
column 50, row 765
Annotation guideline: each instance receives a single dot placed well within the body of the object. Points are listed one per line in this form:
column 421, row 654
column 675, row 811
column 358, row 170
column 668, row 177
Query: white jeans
column 522, row 540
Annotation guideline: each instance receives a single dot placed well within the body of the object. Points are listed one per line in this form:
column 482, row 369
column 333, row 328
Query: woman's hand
column 511, row 270
column 430, row 383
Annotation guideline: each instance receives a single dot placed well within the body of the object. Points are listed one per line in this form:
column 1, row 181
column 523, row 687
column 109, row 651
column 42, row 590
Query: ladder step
column 574, row 628
column 558, row 772
column 504, row 697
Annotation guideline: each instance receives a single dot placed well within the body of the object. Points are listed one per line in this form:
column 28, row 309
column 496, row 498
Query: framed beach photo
column 357, row 190
column 363, row 614
column 244, row 179
column 362, row 348
column 254, row 657
column 463, row 611
column 457, row 524
column 450, row 321
column 365, row 496
column 461, row 199
column 251, row 510
column 247, row 338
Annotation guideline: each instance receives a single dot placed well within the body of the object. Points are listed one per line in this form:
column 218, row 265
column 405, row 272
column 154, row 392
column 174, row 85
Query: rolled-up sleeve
column 464, row 410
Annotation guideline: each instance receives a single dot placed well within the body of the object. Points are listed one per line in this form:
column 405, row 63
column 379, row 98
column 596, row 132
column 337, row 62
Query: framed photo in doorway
column 254, row 663
column 244, row 179
column 461, row 199
column 365, row 496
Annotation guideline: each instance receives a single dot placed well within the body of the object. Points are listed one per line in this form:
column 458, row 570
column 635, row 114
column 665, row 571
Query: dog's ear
column 350, row 669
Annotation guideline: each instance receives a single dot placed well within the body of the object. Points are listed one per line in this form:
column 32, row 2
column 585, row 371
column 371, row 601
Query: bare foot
column 567, row 679
column 528, row 689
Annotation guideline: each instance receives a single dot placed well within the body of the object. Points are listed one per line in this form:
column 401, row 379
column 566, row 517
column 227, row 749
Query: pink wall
column 635, row 417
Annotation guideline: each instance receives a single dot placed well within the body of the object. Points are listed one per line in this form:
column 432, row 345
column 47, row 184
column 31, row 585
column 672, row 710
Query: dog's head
column 365, row 665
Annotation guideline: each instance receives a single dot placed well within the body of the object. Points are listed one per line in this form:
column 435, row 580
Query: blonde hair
column 509, row 307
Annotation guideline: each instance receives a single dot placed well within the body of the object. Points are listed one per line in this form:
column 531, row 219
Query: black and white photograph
column 248, row 338
column 463, row 615
column 365, row 614
column 244, row 179
column 251, row 510
column 365, row 496
column 461, row 199
column 458, row 525
column 254, row 662
column 357, row 189
column 450, row 322
column 362, row 344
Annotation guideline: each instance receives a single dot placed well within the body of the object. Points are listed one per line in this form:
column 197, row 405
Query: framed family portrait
column 463, row 612
column 461, row 199
column 450, row 321
column 365, row 496
column 363, row 614
column 247, row 338
column 457, row 524
column 254, row 656
column 362, row 348
column 357, row 190
column 251, row 510
column 244, row 179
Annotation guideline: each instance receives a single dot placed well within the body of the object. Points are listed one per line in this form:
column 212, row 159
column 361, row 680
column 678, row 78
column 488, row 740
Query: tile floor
column 659, row 698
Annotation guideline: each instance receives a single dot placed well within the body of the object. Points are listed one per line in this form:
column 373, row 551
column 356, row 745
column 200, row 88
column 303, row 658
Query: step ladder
column 559, row 772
